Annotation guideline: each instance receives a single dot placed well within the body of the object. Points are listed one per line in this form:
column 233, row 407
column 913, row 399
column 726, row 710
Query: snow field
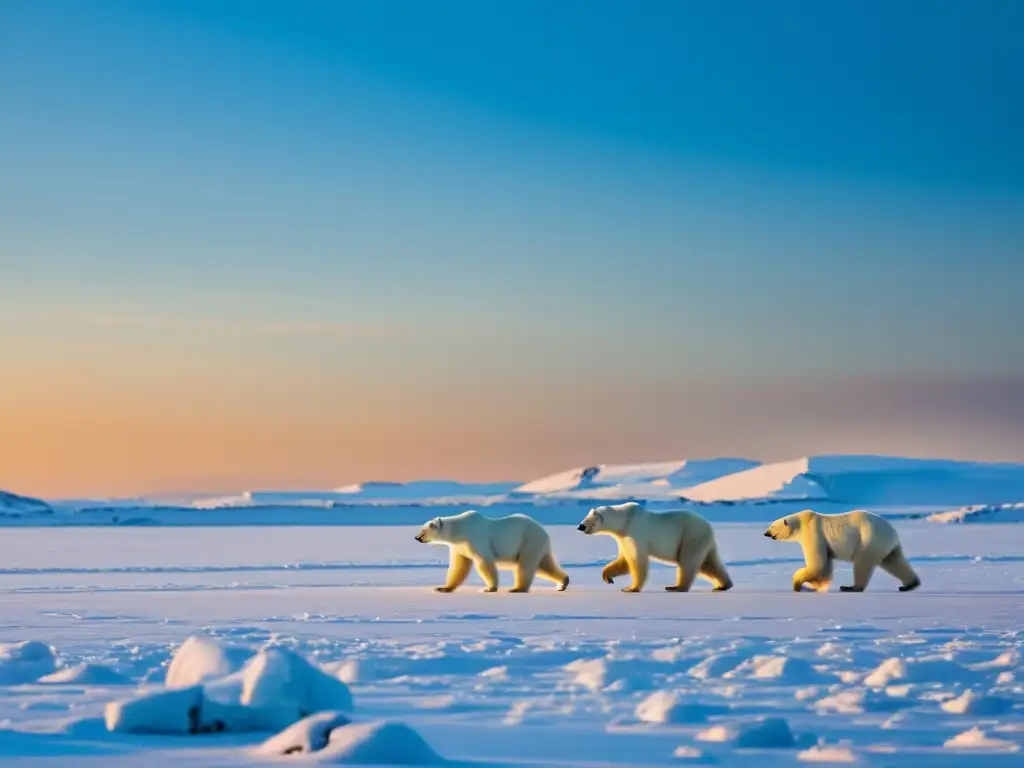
column 587, row 677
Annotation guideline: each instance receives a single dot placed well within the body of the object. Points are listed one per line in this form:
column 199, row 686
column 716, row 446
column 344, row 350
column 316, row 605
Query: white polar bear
column 680, row 538
column 517, row 542
column 859, row 537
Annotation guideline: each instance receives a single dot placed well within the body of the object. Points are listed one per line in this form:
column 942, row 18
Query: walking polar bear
column 680, row 538
column 859, row 537
column 517, row 542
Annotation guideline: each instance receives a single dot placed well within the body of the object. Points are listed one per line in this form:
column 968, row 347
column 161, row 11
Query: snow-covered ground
column 588, row 677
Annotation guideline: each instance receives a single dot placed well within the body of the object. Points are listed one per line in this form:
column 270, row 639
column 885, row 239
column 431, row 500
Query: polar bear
column 680, row 538
column 517, row 542
column 859, row 537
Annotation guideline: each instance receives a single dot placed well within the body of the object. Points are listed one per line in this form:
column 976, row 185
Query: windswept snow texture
column 587, row 677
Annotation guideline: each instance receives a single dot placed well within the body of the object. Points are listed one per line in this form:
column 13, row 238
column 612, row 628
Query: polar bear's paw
column 445, row 590
column 564, row 585
column 845, row 588
column 911, row 586
column 489, row 589
column 631, row 589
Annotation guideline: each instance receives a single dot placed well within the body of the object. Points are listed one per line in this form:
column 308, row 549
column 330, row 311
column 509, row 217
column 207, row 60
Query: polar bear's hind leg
column 686, row 572
column 714, row 570
column 896, row 564
column 548, row 569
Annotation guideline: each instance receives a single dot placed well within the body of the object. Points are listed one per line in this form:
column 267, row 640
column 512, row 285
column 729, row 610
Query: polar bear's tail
column 896, row 563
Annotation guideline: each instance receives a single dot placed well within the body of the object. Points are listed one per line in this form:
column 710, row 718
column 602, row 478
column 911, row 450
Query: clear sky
column 253, row 244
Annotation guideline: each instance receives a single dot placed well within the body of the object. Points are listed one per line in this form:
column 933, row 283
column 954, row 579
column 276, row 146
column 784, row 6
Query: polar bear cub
column 517, row 542
column 859, row 537
column 680, row 538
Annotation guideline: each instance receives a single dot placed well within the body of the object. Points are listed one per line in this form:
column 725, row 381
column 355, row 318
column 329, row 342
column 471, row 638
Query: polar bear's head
column 784, row 529
column 432, row 531
column 608, row 520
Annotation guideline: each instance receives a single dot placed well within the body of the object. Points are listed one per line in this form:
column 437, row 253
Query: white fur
column 859, row 537
column 515, row 542
column 680, row 538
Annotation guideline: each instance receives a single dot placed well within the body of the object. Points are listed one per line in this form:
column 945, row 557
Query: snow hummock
column 917, row 671
column 827, row 753
column 274, row 689
column 311, row 734
column 977, row 705
column 378, row 743
column 782, row 669
column 199, row 659
column 976, row 738
column 85, row 674
column 762, row 733
column 26, row 662
column 667, row 707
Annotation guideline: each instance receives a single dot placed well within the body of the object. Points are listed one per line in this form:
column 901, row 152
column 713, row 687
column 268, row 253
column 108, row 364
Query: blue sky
column 259, row 204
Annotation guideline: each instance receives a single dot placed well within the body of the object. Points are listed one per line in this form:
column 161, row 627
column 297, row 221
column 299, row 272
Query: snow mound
column 822, row 753
column 976, row 738
column 162, row 711
column 666, row 708
column 779, row 669
column 981, row 513
column 858, row 701
column 378, row 743
column 310, row 734
column 199, row 659
column 717, row 665
column 918, row 671
column 274, row 689
column 85, row 674
column 692, row 754
column 978, row 705
column 26, row 662
column 766, row 733
column 13, row 505
column 762, row 733
column 622, row 481
column 870, row 480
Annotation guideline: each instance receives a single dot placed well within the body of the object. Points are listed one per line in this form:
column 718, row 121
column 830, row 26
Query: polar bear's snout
column 581, row 527
column 769, row 534
column 419, row 537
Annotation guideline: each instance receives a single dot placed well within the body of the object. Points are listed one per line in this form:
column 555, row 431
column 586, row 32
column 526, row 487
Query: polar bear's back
column 513, row 534
column 669, row 533
column 852, row 534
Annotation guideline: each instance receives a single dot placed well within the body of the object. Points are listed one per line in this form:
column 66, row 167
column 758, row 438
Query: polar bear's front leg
column 617, row 567
column 638, row 562
column 458, row 570
column 489, row 573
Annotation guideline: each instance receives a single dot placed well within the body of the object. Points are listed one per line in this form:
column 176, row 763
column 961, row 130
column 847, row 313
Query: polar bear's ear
column 440, row 523
column 785, row 522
